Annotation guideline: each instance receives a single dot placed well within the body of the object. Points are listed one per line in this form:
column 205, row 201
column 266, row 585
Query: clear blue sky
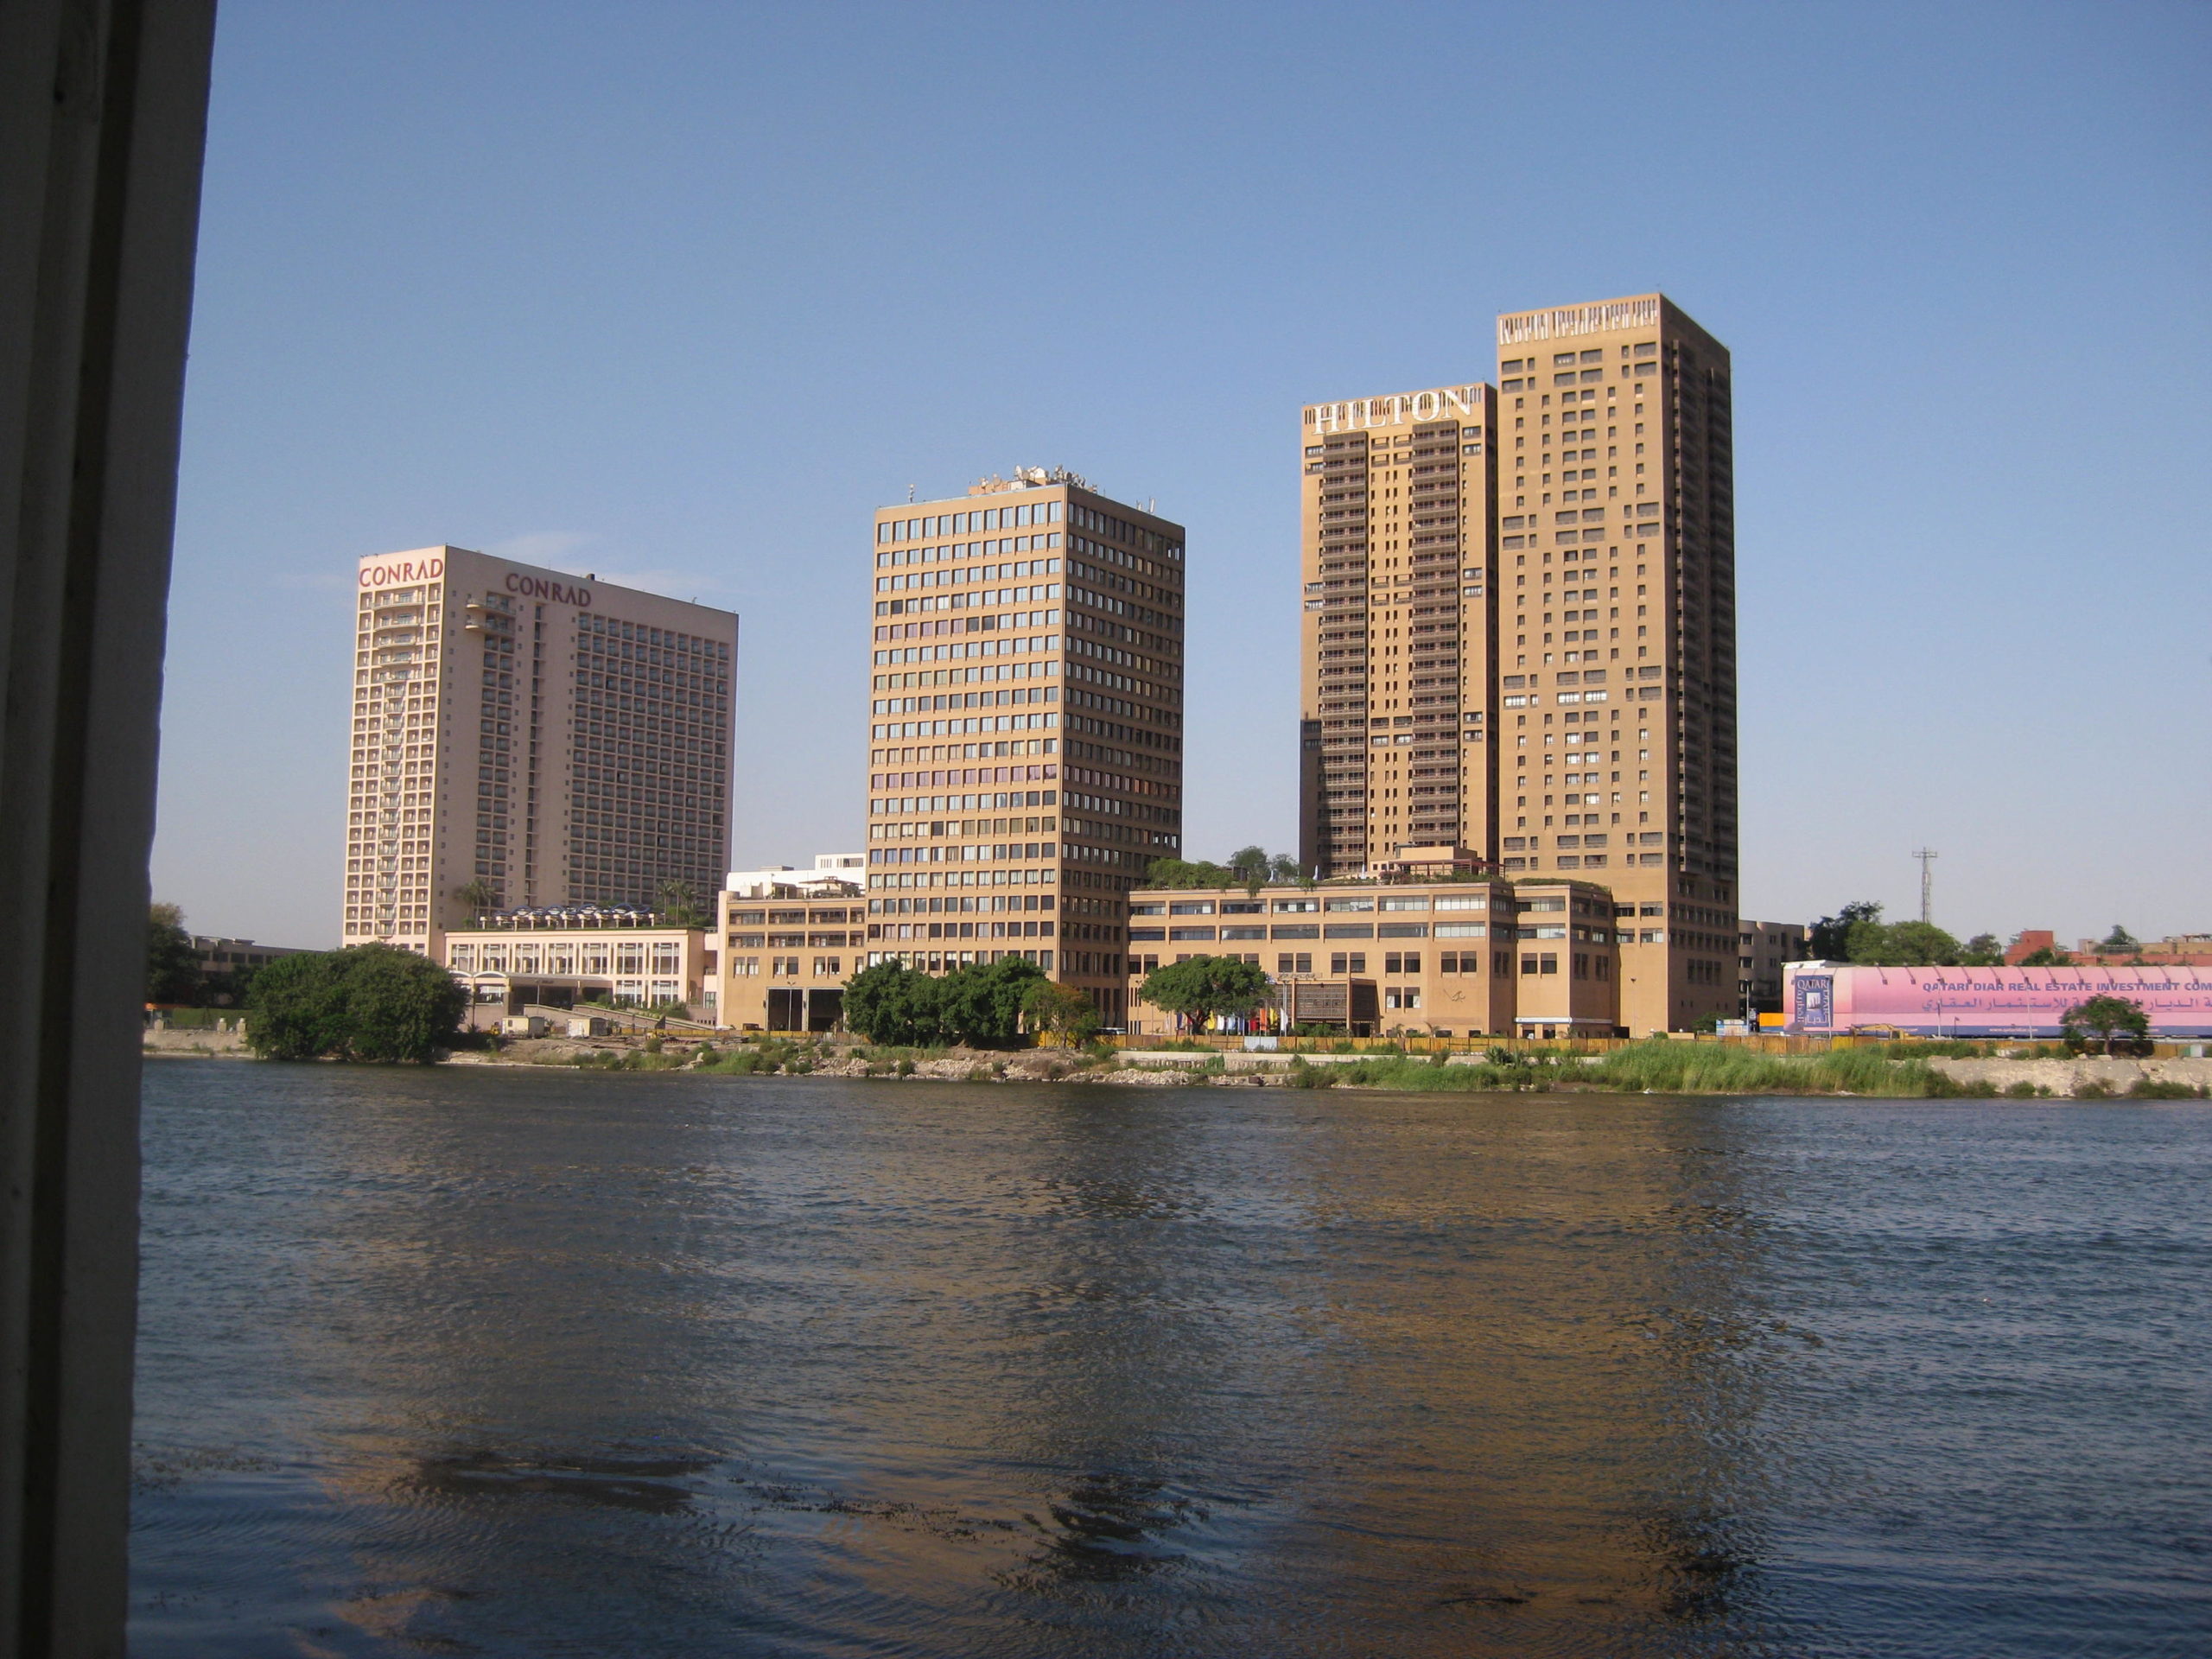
column 678, row 292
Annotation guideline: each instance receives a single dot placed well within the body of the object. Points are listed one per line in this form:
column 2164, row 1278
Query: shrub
column 2160, row 1088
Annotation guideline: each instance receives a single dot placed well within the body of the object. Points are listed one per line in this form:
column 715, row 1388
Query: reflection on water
column 514, row 1362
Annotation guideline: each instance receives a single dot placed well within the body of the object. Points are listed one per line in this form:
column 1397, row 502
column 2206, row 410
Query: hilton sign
column 1365, row 413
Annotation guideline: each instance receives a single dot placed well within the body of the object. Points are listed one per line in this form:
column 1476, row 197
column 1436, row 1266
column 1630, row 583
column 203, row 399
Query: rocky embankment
column 2090, row 1078
column 196, row 1044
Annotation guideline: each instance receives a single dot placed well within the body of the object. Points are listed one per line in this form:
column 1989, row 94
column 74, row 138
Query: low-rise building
column 784, row 960
column 1458, row 958
column 831, row 872
column 226, row 955
column 561, row 959
column 1442, row 861
column 1762, row 949
column 2178, row 949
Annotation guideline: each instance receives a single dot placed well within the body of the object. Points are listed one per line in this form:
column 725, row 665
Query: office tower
column 1616, row 588
column 523, row 739
column 1026, row 727
column 1398, row 682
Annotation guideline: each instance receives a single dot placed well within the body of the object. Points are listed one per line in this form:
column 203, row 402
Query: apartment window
column 1348, row 961
column 1401, row 961
column 1402, row 996
column 1294, row 963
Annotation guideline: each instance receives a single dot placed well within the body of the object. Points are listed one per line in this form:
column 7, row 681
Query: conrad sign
column 431, row 567
column 391, row 572
column 560, row 593
column 1366, row 414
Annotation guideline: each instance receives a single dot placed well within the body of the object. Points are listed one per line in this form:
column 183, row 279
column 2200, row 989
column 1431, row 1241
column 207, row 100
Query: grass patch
column 1697, row 1068
column 1657, row 1067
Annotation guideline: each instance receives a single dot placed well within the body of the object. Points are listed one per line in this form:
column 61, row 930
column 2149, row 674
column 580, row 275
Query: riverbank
column 1652, row 1068
column 1639, row 1068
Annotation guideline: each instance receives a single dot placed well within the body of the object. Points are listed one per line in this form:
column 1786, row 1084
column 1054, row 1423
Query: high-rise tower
column 526, row 739
column 1399, row 681
column 1618, row 554
column 1026, row 727
column 1520, row 632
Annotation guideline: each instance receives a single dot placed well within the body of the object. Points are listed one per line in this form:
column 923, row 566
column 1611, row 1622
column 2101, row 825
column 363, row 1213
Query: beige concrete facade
column 1398, row 686
column 1585, row 655
column 783, row 962
column 1616, row 417
column 1026, row 727
column 563, row 741
column 1497, row 957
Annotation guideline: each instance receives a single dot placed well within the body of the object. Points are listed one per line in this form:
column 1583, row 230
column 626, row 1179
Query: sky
column 678, row 293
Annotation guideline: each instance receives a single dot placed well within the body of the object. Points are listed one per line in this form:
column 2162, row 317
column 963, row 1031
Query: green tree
column 1902, row 944
column 2045, row 957
column 1249, row 867
column 1830, row 939
column 893, row 1004
column 1983, row 950
column 1177, row 873
column 983, row 1001
column 370, row 1003
column 2118, row 943
column 172, row 965
column 679, row 902
column 478, row 895
column 2104, row 1018
column 1199, row 988
column 1062, row 1010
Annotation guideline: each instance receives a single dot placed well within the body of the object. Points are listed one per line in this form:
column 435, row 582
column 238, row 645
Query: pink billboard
column 1824, row 997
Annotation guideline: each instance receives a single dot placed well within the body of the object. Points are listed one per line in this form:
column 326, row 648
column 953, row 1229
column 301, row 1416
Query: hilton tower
column 526, row 739
column 1520, row 634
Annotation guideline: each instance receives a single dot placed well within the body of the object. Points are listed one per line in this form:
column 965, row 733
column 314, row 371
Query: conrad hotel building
column 526, row 739
column 1026, row 727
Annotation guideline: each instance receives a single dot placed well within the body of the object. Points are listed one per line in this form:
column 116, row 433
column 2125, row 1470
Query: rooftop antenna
column 909, row 495
column 1927, row 879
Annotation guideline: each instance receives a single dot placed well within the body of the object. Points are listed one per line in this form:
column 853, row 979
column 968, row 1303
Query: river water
column 523, row 1362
